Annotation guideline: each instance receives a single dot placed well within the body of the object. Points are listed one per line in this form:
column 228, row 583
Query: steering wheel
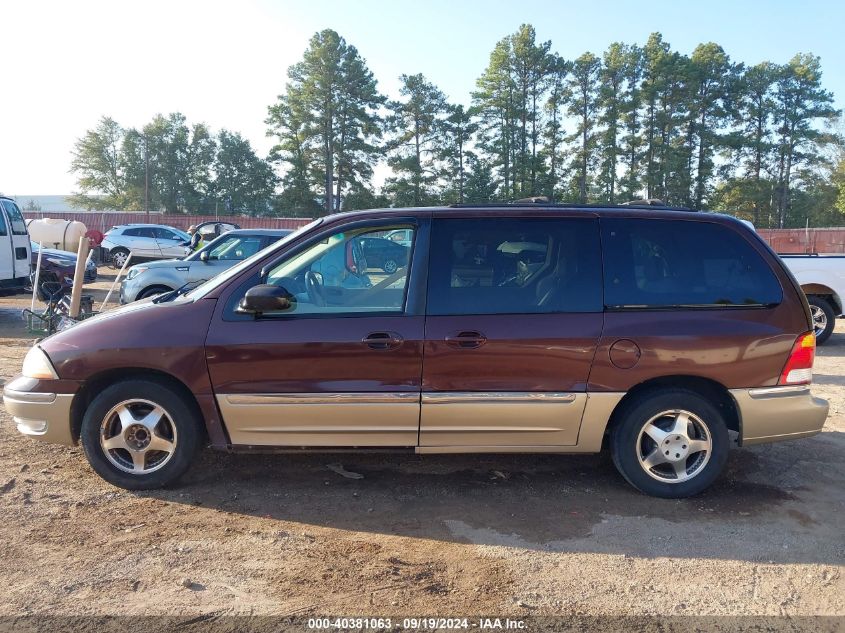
column 315, row 289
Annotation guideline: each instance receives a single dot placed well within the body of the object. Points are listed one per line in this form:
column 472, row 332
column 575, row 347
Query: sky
column 66, row 64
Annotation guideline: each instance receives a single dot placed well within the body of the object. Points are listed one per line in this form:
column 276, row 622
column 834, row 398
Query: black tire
column 152, row 291
column 180, row 414
column 389, row 266
column 824, row 319
column 626, row 442
column 46, row 277
column 118, row 257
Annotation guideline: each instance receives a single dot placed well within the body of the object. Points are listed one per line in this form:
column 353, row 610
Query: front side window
column 235, row 248
column 15, row 218
column 514, row 266
column 164, row 234
column 3, row 229
column 682, row 263
column 335, row 277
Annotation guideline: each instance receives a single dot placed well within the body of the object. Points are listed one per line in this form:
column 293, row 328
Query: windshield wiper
column 181, row 290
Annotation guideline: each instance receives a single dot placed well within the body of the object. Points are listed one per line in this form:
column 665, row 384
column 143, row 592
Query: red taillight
column 799, row 368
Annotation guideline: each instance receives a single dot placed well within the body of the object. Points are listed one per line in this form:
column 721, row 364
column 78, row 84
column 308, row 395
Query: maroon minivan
column 664, row 335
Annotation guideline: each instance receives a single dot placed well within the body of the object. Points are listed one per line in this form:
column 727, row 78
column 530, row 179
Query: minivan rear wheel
column 672, row 443
column 140, row 434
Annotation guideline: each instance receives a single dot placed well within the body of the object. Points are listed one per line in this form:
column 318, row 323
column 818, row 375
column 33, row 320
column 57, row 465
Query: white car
column 145, row 241
column 822, row 278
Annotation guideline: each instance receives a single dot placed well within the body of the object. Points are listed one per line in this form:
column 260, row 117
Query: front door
column 169, row 243
column 514, row 316
column 340, row 367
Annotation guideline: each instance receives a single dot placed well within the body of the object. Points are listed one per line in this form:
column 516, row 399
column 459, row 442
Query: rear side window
column 514, row 266
column 140, row 232
column 681, row 263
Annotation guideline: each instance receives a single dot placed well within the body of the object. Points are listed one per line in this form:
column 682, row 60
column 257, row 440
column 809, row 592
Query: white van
column 15, row 253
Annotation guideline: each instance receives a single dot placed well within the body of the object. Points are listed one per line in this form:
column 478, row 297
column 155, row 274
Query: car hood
column 52, row 252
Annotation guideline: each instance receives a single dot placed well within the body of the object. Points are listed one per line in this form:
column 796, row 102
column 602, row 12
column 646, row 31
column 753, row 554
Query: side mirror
column 204, row 257
column 266, row 298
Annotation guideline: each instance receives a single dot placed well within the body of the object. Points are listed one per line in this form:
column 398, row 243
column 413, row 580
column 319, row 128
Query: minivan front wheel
column 140, row 434
column 670, row 444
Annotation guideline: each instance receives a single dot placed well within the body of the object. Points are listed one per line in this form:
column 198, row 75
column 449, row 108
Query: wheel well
column 98, row 382
column 710, row 389
column 164, row 288
column 820, row 290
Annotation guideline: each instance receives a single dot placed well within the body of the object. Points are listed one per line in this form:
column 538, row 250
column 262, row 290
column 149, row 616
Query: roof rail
column 543, row 201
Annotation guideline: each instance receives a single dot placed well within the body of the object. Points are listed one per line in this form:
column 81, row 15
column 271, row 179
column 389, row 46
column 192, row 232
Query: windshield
column 212, row 244
column 215, row 282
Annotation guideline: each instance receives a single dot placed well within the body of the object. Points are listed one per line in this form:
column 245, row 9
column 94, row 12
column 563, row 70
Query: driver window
column 348, row 272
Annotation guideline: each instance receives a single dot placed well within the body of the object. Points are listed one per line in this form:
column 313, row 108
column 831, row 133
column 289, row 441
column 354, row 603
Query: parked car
column 14, row 247
column 822, row 278
column 153, row 278
column 59, row 267
column 403, row 237
column 144, row 241
column 664, row 335
column 384, row 254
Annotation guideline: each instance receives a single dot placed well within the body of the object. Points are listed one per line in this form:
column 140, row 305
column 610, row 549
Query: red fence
column 105, row 220
column 831, row 240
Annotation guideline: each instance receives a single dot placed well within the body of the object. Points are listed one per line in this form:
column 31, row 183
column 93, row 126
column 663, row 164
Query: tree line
column 637, row 121
column 170, row 166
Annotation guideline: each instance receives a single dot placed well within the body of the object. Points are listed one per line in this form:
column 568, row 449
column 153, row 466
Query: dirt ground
column 432, row 535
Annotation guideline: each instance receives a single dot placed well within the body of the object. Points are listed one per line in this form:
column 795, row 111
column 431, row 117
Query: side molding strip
column 497, row 397
column 323, row 398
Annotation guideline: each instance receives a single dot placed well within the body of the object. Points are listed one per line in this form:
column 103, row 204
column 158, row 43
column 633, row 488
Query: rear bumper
column 772, row 414
column 44, row 416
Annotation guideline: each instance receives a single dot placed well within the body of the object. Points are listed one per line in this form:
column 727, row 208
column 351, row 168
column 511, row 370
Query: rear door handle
column 382, row 340
column 466, row 340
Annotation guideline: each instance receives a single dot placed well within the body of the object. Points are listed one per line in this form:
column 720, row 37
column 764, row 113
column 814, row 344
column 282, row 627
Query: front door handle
column 466, row 340
column 382, row 340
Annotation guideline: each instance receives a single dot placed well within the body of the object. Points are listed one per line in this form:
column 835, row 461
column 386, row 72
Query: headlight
column 135, row 271
column 58, row 261
column 37, row 365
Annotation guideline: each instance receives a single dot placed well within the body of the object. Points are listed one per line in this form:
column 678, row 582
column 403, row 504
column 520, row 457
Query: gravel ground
column 435, row 535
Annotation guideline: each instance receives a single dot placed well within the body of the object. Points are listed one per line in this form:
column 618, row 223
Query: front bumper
column 45, row 416
column 772, row 414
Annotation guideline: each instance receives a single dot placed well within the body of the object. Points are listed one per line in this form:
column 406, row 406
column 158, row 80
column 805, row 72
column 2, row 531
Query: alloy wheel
column 138, row 436
column 119, row 259
column 819, row 319
column 674, row 446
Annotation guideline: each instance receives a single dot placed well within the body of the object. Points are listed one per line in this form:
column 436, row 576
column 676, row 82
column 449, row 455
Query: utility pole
column 146, row 180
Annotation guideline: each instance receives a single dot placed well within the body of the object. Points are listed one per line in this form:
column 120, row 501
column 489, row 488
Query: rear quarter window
column 655, row 263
